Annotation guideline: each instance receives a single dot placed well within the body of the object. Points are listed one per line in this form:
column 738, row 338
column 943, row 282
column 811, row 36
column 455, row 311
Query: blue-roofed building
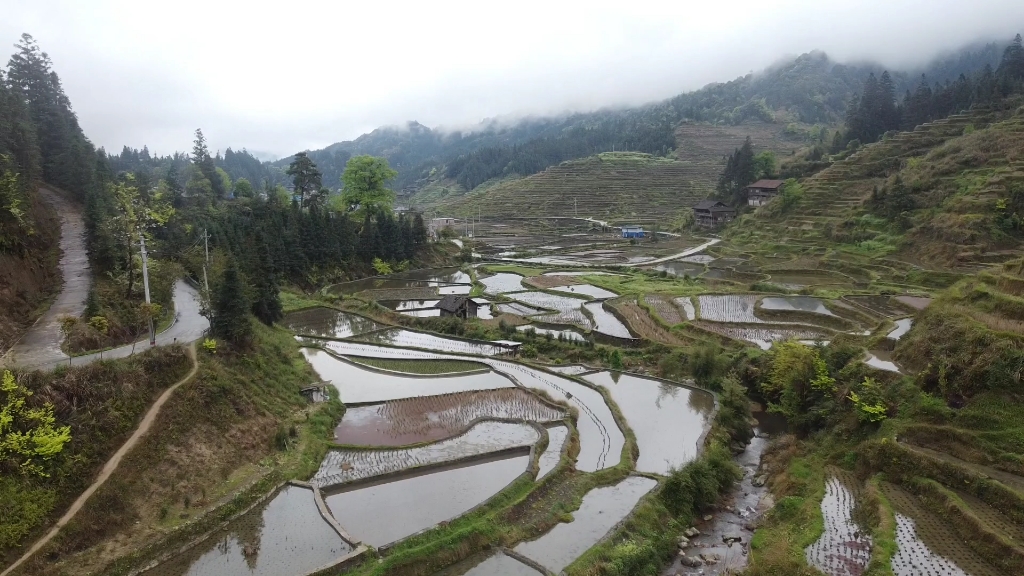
column 632, row 231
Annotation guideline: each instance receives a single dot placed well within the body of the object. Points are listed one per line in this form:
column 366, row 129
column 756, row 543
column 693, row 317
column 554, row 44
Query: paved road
column 683, row 254
column 41, row 344
column 188, row 326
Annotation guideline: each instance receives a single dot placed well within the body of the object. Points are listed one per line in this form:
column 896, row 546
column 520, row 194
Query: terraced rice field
column 570, row 335
column 503, row 282
column 796, row 304
column 429, row 418
column 344, row 466
column 328, row 323
column 762, row 337
column 737, row 308
column 420, row 366
column 902, row 327
column 568, row 310
column 548, row 460
column 844, row 548
column 664, row 308
column 607, row 323
column 517, row 309
column 408, row 338
column 641, row 324
column 572, row 369
column 927, row 544
column 587, row 290
column 686, row 305
column 881, row 306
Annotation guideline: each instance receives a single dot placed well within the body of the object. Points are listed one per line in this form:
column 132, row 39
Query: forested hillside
column 809, row 89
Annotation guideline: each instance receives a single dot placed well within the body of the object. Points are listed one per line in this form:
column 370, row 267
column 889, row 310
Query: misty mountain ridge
column 810, row 88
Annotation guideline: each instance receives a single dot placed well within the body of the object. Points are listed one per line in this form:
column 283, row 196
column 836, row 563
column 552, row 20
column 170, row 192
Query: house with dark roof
column 763, row 191
column 712, row 213
column 457, row 305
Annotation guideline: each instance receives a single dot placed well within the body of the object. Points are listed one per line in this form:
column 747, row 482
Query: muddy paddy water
column 601, row 509
column 425, row 419
column 384, row 512
column 503, row 282
column 358, row 385
column 796, row 304
column 328, row 323
column 344, row 466
column 586, row 290
column 668, row 420
column 285, row 537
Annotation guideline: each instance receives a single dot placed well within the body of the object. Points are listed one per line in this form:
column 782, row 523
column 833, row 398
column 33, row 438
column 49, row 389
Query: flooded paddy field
column 284, row 537
column 503, row 282
column 489, row 564
column 517, row 309
column 587, row 290
column 668, row 420
column 402, row 305
column 449, row 279
column 328, row 323
column 430, row 418
column 580, row 273
column 565, row 334
column 571, row 369
column 844, row 548
column 686, row 305
column 796, row 304
column 665, row 308
column 601, row 440
column 879, row 306
column 421, row 500
column 902, row 327
column 928, row 545
column 359, row 385
column 605, row 322
column 682, row 268
column 548, row 460
column 737, row 308
column 763, row 338
column 881, row 360
column 344, row 465
column 568, row 310
column 408, row 338
column 601, row 509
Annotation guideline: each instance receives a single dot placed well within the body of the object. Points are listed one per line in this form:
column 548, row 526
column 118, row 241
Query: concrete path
column 683, row 254
column 110, row 466
column 188, row 325
column 41, row 344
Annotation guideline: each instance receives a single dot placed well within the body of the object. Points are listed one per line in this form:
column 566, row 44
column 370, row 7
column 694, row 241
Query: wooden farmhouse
column 456, row 305
column 763, row 191
column 713, row 213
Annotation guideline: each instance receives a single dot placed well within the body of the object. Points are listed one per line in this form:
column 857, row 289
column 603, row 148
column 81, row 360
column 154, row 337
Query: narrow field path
column 41, row 344
column 110, row 466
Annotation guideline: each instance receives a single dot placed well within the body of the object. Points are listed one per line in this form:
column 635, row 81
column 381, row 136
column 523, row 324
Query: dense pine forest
column 257, row 233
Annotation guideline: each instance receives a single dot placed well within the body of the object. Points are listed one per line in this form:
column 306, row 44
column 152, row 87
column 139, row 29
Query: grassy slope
column 102, row 403
column 214, row 443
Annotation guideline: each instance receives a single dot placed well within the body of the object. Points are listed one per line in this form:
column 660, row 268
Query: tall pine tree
column 231, row 309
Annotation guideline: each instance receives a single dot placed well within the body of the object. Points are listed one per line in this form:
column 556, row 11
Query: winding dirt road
column 110, row 466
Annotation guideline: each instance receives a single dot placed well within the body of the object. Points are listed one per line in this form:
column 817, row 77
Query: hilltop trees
column 365, row 185
column 740, row 171
column 307, row 179
column 1011, row 67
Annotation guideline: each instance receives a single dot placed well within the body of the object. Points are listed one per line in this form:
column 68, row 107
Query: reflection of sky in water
column 328, row 323
column 668, row 420
column 285, row 537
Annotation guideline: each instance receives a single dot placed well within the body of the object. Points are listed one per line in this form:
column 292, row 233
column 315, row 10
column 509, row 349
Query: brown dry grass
column 641, row 324
column 552, row 281
column 664, row 308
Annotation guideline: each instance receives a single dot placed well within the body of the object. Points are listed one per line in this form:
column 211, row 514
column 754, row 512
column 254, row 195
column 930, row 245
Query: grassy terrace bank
column 225, row 439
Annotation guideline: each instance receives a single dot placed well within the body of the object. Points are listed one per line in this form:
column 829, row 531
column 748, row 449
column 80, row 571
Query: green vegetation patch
column 419, row 366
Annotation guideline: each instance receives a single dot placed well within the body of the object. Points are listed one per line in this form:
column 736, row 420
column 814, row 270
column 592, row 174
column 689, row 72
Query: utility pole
column 145, row 282
column 575, row 210
column 206, row 281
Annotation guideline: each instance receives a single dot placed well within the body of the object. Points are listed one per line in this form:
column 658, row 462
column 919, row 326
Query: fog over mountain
column 321, row 72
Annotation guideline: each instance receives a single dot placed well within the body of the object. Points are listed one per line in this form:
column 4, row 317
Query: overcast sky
column 277, row 77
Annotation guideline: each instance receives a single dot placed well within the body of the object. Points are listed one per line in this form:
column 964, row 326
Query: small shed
column 457, row 305
column 632, row 232
column 507, row 347
column 713, row 213
column 761, row 192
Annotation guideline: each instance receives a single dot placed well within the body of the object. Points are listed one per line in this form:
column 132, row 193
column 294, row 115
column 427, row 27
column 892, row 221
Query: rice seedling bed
column 342, row 466
column 568, row 310
column 429, row 418
column 737, row 308
column 844, row 548
column 762, row 337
